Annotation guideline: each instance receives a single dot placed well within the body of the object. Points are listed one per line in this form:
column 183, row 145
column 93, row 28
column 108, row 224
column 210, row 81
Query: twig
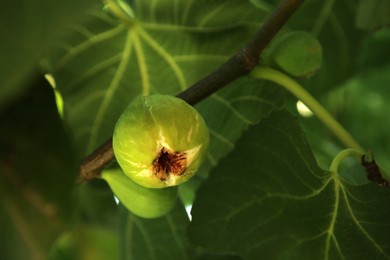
column 238, row 65
column 92, row 165
column 243, row 61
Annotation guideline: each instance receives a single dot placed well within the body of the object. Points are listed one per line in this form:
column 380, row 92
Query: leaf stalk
column 298, row 91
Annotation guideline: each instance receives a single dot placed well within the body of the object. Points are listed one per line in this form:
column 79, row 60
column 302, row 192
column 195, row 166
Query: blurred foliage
column 373, row 14
column 86, row 243
column 36, row 176
column 28, row 28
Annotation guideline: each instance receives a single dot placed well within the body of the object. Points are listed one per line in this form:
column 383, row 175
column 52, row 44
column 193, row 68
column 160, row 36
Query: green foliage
column 262, row 192
column 27, row 29
column 36, row 177
column 86, row 243
column 269, row 207
column 162, row 238
column 373, row 14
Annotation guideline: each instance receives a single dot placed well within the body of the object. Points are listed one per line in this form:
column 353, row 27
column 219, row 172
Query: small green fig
column 143, row 202
column 160, row 141
column 298, row 53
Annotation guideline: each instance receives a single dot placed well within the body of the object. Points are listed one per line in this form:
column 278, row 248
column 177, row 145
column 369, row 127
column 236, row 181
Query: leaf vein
column 110, row 92
column 145, row 235
column 176, row 236
column 142, row 65
column 332, row 224
column 95, row 70
column 221, row 138
column 360, row 227
column 85, row 45
column 186, row 11
column 167, row 57
column 232, row 109
column 212, row 14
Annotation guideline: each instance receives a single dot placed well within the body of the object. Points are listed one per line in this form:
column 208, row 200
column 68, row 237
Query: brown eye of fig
column 169, row 163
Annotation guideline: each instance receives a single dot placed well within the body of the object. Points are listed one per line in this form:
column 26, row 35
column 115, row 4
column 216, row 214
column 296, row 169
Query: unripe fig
column 298, row 53
column 160, row 141
column 143, row 202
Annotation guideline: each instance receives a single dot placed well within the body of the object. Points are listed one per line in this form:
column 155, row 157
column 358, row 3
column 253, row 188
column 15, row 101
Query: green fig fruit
column 298, row 53
column 143, row 202
column 160, row 141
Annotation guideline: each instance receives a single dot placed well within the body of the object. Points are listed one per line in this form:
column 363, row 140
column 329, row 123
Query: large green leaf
column 269, row 200
column 168, row 46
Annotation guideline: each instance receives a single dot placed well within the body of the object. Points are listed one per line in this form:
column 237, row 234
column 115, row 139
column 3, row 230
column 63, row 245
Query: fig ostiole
column 160, row 141
column 141, row 201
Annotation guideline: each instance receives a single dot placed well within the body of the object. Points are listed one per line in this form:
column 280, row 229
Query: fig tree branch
column 238, row 65
column 245, row 59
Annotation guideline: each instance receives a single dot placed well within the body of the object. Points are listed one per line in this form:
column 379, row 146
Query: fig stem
column 238, row 65
column 298, row 91
column 354, row 148
column 342, row 155
column 374, row 173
